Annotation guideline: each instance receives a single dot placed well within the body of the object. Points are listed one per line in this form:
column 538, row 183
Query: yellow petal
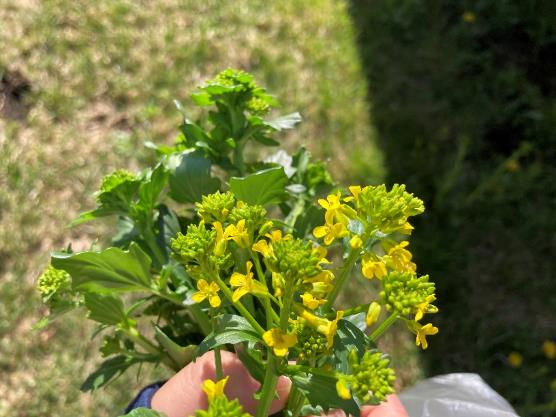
column 240, row 292
column 342, row 390
column 202, row 285
column 215, row 301
column 198, row 297
column 373, row 313
column 280, row 351
column 320, row 231
column 237, row 279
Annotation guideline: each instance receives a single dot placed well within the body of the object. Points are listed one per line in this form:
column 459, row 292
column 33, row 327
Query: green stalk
column 295, row 401
column 238, row 305
column 352, row 311
column 270, row 314
column 133, row 334
column 383, row 327
column 269, row 386
column 341, row 280
column 218, row 364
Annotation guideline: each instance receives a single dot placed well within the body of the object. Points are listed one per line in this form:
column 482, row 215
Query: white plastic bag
column 455, row 395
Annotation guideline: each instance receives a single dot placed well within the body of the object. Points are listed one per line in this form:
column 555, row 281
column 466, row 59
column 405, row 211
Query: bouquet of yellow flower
column 229, row 254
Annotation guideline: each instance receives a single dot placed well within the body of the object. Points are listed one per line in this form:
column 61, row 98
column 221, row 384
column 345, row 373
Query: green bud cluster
column 216, row 207
column 310, row 342
column 239, row 87
column 53, row 280
column 113, row 180
column 196, row 250
column 254, row 215
column 372, row 377
column 295, row 259
column 388, row 210
column 404, row 291
column 258, row 106
column 222, row 407
column 196, row 245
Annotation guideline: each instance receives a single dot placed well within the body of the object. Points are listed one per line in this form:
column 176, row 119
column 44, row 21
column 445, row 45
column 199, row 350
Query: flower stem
column 383, row 327
column 270, row 314
column 269, row 386
column 341, row 280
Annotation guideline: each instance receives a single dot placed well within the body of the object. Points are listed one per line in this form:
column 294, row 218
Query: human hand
column 182, row 394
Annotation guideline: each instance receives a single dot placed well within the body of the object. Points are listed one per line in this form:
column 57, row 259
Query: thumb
column 182, row 395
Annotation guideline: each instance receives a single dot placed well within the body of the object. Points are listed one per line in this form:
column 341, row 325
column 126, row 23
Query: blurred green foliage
column 464, row 100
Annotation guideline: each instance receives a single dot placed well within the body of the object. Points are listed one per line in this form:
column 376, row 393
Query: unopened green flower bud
column 404, row 292
column 53, row 280
column 196, row 245
column 295, row 259
column 387, row 210
column 254, row 215
column 216, row 207
column 371, row 378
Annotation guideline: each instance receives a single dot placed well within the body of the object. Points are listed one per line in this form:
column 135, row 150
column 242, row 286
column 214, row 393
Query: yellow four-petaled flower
column 214, row 389
column 209, row 291
column 245, row 284
column 279, row 341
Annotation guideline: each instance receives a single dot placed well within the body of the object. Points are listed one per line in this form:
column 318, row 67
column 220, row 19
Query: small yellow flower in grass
column 209, row 291
column 469, row 17
column 246, row 284
column 239, row 234
column 373, row 313
column 422, row 333
column 515, row 359
column 373, row 267
column 214, row 389
column 330, row 232
column 310, row 301
column 279, row 341
column 549, row 349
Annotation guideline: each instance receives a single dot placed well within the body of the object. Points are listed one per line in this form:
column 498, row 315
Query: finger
column 392, row 407
column 183, row 394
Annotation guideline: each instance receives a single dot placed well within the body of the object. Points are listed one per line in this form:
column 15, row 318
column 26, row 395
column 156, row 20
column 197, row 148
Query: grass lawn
column 98, row 79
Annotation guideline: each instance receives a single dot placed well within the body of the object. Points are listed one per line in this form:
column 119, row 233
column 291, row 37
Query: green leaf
column 190, row 177
column 348, row 337
column 321, row 390
column 108, row 370
column 231, row 329
column 106, row 309
column 285, row 122
column 151, row 187
column 255, row 367
column 144, row 412
column 263, row 187
column 182, row 355
column 110, row 270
